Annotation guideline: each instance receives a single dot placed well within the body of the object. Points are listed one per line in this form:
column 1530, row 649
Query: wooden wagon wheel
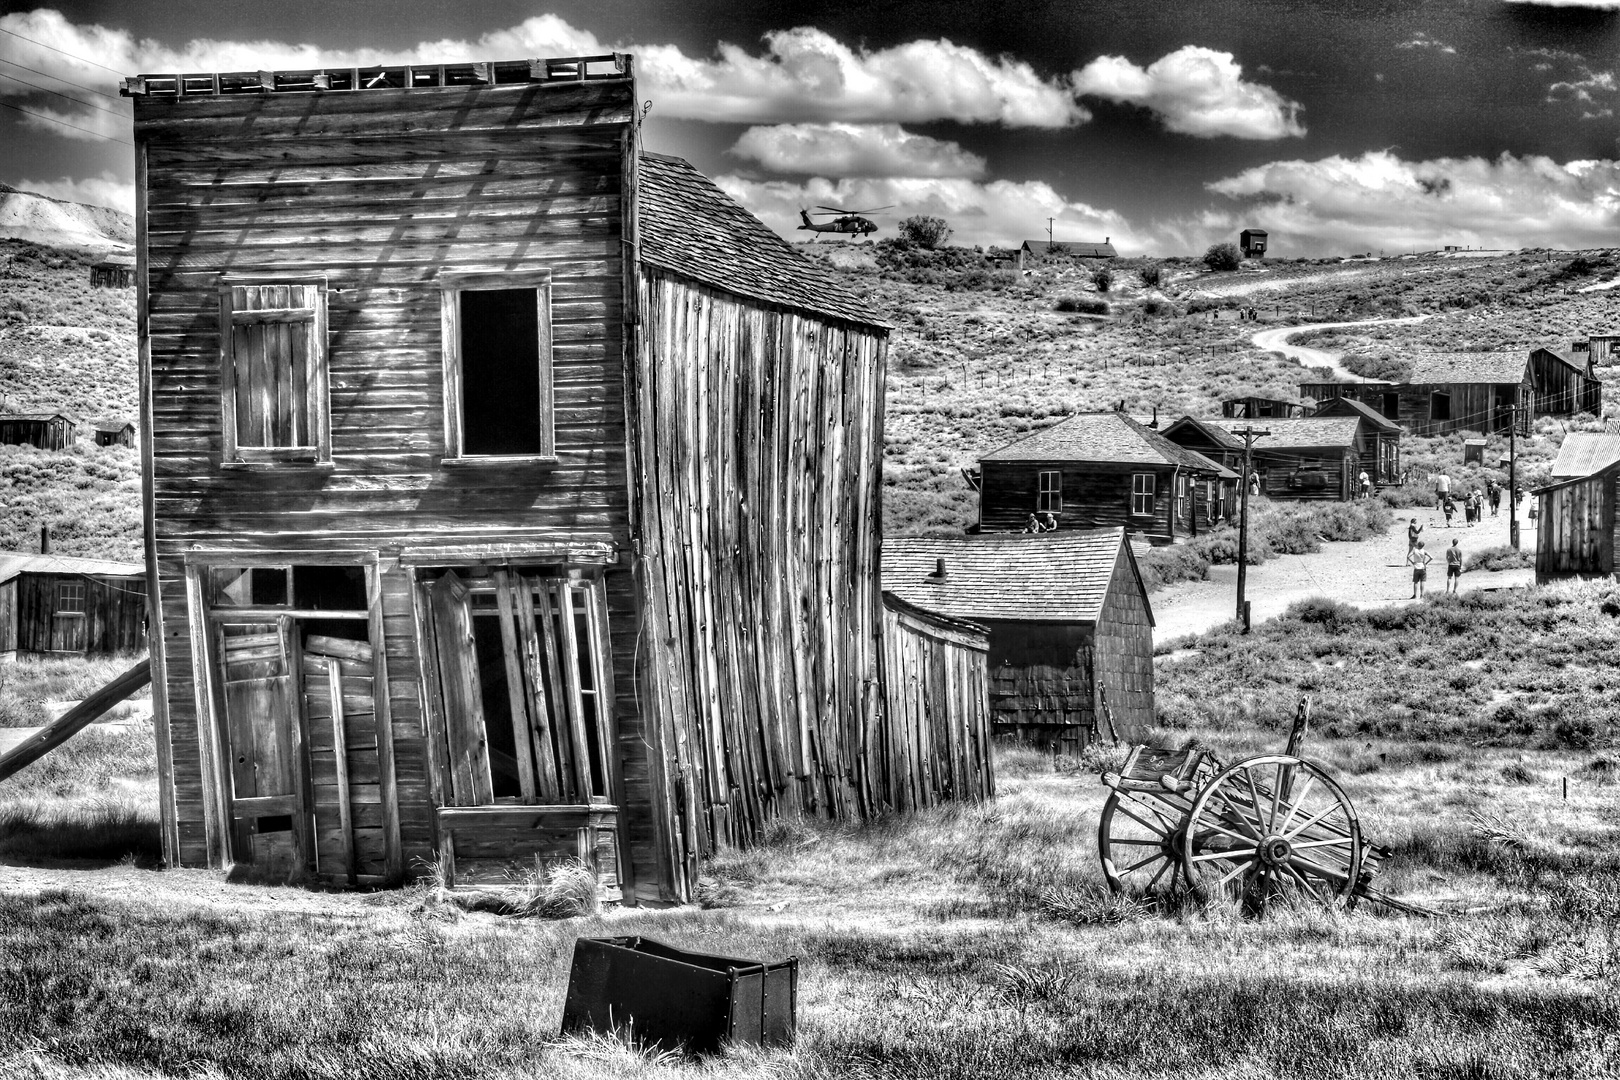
column 1139, row 839
column 1273, row 829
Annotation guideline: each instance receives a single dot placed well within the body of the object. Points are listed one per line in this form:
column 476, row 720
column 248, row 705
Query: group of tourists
column 1474, row 500
column 1041, row 522
column 1418, row 558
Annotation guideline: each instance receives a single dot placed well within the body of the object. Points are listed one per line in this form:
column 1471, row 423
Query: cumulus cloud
column 802, row 74
column 104, row 190
column 855, row 150
column 1582, row 89
column 1195, row 91
column 1000, row 212
column 1380, row 201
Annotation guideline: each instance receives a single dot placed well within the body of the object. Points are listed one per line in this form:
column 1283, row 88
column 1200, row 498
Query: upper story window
column 1142, row 493
column 273, row 372
column 1049, row 497
column 497, row 367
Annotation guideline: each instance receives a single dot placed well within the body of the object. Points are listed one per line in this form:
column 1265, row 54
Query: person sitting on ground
column 1454, row 561
column 1419, row 560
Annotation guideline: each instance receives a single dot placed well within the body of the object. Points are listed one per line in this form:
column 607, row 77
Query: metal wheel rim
column 1268, row 842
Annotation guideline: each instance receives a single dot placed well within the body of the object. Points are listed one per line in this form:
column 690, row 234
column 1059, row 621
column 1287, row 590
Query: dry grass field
column 966, row 941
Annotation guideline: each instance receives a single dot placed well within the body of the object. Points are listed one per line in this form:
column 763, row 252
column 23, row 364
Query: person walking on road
column 1493, row 491
column 1442, row 490
column 1419, row 560
column 1454, row 561
column 1413, row 529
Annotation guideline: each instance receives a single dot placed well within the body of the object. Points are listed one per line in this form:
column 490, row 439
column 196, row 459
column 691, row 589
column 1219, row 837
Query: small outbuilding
column 1262, row 408
column 1253, row 243
column 113, row 272
column 113, row 432
column 1069, row 623
column 1575, row 526
column 57, row 604
column 47, row 431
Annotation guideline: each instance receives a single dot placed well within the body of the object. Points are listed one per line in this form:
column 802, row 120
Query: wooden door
column 264, row 744
column 344, row 768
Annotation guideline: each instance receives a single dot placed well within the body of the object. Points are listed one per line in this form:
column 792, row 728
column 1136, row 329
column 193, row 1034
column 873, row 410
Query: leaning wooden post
column 1296, row 743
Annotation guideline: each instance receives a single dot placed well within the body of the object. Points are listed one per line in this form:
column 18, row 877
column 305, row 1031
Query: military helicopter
column 847, row 221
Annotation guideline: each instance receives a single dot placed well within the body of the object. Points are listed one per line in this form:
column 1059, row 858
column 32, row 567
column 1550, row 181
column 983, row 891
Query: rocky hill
column 41, row 219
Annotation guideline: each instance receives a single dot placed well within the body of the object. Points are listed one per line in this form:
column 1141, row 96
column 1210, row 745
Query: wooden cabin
column 1310, row 458
column 46, row 431
column 1565, row 383
column 1260, row 408
column 1598, row 350
column 1583, row 453
column 512, row 494
column 1070, row 627
column 1575, row 526
column 1252, row 242
column 936, row 697
column 1074, row 249
column 1448, row 392
column 57, row 604
column 1380, row 438
column 115, row 272
column 1218, row 497
column 113, row 432
column 1098, row 470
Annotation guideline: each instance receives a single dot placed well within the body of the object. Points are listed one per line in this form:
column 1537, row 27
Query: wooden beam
column 74, row 720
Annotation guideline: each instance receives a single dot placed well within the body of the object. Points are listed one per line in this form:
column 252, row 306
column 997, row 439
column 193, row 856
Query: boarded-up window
column 1142, row 493
column 273, row 377
column 1049, row 499
column 497, row 366
column 1439, row 406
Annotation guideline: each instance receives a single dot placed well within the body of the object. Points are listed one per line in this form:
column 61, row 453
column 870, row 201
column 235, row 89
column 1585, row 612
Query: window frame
column 451, row 286
column 64, row 593
column 317, row 376
column 1049, row 492
column 1150, row 494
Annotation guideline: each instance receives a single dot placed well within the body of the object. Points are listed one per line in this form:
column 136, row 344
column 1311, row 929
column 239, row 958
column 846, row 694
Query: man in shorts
column 1419, row 560
column 1454, row 561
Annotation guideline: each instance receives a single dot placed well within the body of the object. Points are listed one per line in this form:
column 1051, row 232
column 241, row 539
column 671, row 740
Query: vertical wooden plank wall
column 114, row 613
column 759, row 432
column 1125, row 653
column 1575, row 527
column 380, row 191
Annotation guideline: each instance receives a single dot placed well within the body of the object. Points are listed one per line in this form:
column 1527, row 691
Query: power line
column 65, row 97
column 58, row 78
column 64, row 52
column 64, row 123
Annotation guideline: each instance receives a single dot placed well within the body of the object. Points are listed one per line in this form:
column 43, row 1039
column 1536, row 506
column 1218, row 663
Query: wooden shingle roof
column 1211, row 430
column 692, row 228
column 37, row 417
column 1060, row 577
column 1474, row 367
column 1105, row 437
column 1292, row 433
column 1342, row 405
column 1585, row 452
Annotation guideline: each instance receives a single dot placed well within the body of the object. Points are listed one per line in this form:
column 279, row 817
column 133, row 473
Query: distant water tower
column 1253, row 243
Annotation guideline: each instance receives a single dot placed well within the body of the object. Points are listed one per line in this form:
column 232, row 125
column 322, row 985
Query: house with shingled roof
column 513, row 495
column 1380, row 438
column 1445, row 392
column 1070, row 626
column 1097, row 470
column 1304, row 457
column 1074, row 249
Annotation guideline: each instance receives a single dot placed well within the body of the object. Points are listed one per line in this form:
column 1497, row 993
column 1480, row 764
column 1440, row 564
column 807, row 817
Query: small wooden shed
column 1565, row 383
column 1069, row 622
column 113, row 272
column 113, row 432
column 47, row 431
column 1575, row 526
column 64, row 605
column 1253, row 243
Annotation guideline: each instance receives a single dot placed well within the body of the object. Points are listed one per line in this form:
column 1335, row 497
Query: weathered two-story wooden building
column 1379, row 438
column 1446, row 392
column 1566, row 383
column 511, row 493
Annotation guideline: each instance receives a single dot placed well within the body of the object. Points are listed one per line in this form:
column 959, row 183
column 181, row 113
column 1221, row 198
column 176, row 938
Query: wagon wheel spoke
column 1234, row 872
column 1310, row 890
column 1135, row 842
column 1276, row 798
column 1146, row 824
column 1297, row 801
column 1159, row 873
column 1254, row 793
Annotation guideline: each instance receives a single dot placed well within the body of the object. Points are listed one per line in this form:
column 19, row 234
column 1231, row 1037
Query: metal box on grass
column 667, row 997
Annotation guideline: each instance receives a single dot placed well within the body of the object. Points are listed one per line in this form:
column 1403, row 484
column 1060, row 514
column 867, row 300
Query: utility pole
column 1513, row 476
column 1249, row 435
column 1049, row 235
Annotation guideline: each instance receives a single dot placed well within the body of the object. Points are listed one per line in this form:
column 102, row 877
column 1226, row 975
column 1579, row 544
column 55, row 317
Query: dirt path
column 1276, row 340
column 1369, row 573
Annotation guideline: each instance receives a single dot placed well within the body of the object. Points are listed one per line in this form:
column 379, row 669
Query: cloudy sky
column 1339, row 125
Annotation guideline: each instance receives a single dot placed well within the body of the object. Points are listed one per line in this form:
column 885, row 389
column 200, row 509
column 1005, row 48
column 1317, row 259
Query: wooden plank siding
column 1293, row 473
column 1563, row 390
column 1575, row 527
column 380, row 192
column 760, row 432
column 1483, row 407
column 57, row 433
column 1095, row 495
column 8, row 619
column 112, row 618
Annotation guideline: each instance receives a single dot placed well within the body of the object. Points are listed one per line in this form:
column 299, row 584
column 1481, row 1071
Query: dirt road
column 1276, row 340
column 1370, row 573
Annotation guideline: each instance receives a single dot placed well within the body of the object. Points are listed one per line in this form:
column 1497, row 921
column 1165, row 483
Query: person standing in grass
column 1454, row 561
column 1419, row 560
column 1413, row 529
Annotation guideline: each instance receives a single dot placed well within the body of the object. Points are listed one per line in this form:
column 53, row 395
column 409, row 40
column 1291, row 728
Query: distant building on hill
column 1069, row 623
column 47, row 431
column 1078, row 249
column 1565, row 382
column 1599, row 349
column 114, row 272
column 1252, row 408
column 1253, row 243
column 113, row 432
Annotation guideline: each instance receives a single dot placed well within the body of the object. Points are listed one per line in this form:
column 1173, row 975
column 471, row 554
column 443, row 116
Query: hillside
column 41, row 219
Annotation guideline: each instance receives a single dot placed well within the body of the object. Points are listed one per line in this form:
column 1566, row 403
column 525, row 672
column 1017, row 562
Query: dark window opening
column 1392, row 406
column 277, row 823
column 497, row 702
column 500, row 371
column 1440, row 406
column 329, row 588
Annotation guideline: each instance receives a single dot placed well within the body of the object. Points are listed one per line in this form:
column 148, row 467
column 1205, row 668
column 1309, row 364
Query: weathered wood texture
column 93, row 615
column 1042, row 675
column 1575, row 526
column 759, row 436
column 1563, row 390
column 1095, row 496
column 8, row 618
column 380, row 192
column 1308, row 473
column 1125, row 654
column 936, row 731
column 1483, row 407
column 55, row 433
